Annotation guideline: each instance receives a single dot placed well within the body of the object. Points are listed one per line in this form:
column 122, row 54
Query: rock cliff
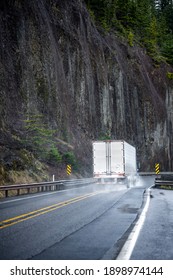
column 84, row 83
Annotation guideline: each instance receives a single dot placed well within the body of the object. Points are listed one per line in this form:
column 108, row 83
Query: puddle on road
column 127, row 209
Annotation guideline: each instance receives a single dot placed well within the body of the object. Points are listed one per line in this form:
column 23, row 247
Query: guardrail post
column 53, row 179
column 6, row 193
column 44, row 186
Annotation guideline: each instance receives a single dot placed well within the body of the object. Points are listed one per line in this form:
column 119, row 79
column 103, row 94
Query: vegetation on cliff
column 150, row 21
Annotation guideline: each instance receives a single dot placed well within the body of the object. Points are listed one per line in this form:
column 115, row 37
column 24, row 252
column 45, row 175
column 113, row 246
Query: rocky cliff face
column 85, row 84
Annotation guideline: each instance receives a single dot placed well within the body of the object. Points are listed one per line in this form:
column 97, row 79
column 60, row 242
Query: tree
column 168, row 14
column 148, row 21
column 38, row 137
column 104, row 11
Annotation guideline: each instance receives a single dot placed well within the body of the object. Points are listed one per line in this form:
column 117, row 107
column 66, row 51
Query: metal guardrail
column 164, row 183
column 47, row 186
column 165, row 179
column 154, row 173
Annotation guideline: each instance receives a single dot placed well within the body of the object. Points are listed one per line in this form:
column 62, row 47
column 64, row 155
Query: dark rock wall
column 55, row 62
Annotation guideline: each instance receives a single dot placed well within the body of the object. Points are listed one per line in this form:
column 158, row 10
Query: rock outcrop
column 86, row 84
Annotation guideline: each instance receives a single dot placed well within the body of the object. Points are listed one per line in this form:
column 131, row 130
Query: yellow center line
column 36, row 213
column 38, row 210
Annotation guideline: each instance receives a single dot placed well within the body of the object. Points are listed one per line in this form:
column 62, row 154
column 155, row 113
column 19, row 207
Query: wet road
column 84, row 223
column 155, row 239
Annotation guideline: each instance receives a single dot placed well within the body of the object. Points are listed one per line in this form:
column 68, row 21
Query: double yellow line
column 41, row 211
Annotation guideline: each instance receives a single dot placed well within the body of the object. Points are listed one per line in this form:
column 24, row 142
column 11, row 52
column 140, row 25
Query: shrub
column 54, row 155
column 69, row 158
column 104, row 137
column 130, row 38
column 169, row 75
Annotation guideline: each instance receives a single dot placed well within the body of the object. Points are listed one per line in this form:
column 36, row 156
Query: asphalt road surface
column 89, row 222
column 155, row 241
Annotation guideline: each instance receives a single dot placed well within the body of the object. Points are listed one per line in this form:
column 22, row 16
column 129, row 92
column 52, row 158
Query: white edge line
column 129, row 245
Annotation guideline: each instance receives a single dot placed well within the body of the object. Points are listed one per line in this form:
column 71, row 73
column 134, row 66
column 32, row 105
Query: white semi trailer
column 113, row 159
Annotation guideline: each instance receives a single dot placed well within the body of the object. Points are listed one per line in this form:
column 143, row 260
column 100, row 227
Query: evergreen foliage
column 170, row 75
column 40, row 139
column 148, row 21
column 54, row 156
column 69, row 158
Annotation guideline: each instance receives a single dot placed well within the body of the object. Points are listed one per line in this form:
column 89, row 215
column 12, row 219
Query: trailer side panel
column 130, row 159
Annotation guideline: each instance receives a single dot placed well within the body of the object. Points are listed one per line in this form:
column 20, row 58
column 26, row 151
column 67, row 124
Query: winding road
column 89, row 222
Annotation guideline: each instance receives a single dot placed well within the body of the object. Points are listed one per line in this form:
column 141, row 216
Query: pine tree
column 148, row 21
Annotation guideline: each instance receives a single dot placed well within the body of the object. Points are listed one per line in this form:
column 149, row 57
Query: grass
column 169, row 187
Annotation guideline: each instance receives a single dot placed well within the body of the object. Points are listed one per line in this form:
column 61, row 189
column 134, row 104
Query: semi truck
column 114, row 160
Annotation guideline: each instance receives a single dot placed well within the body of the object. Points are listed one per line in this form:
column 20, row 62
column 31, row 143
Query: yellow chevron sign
column 157, row 168
column 68, row 169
